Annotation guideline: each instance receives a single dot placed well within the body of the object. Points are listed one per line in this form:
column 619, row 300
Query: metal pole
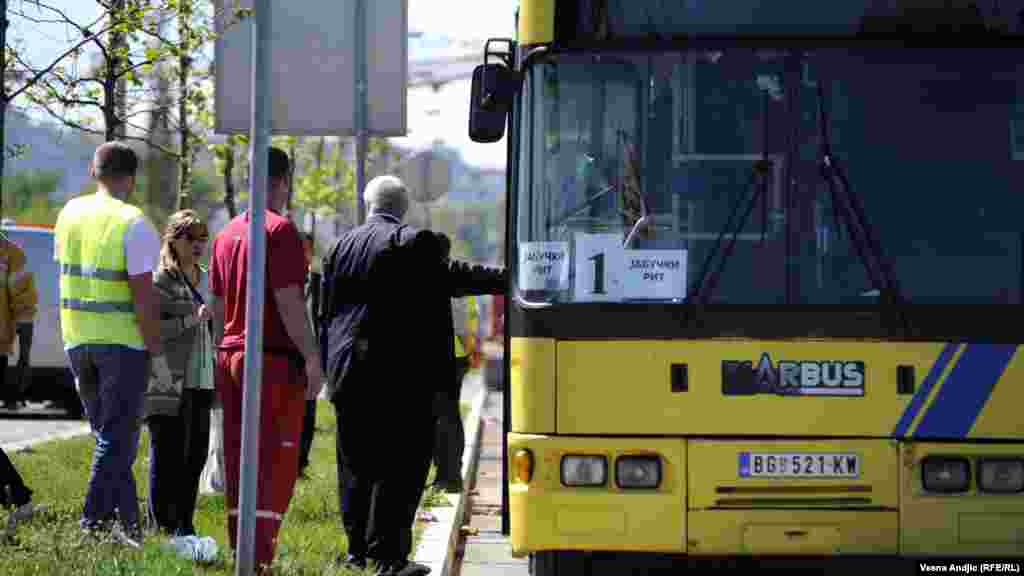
column 253, row 368
column 3, row 96
column 359, row 28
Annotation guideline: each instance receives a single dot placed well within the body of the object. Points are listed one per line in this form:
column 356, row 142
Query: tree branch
column 35, row 79
column 62, row 119
column 76, row 102
column 21, row 14
column 65, row 18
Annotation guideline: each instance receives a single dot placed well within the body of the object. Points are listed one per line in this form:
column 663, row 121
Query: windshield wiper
column 847, row 204
column 579, row 207
column 760, row 174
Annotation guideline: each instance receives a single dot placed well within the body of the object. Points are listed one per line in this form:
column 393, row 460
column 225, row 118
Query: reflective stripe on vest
column 93, row 272
column 95, row 298
column 98, row 307
column 460, row 351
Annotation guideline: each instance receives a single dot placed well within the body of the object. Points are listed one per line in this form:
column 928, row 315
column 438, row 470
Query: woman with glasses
column 179, row 419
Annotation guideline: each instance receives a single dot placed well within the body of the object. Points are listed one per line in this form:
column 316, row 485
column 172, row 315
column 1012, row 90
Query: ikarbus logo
column 793, row 377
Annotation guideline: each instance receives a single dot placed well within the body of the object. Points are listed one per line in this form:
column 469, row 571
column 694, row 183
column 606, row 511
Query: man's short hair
column 113, row 159
column 387, row 194
column 279, row 165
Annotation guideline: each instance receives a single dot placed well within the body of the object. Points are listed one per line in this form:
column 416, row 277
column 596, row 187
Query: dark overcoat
column 386, row 337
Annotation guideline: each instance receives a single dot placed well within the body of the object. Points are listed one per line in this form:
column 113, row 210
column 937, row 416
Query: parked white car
column 51, row 374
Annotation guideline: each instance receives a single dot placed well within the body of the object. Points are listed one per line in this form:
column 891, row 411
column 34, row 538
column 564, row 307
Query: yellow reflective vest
column 96, row 304
column 469, row 330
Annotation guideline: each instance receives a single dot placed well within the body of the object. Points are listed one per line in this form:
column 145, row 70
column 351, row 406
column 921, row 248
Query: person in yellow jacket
column 19, row 303
column 18, row 307
column 107, row 251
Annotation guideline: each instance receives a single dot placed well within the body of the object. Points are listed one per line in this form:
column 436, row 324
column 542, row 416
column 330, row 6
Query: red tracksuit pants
column 282, row 407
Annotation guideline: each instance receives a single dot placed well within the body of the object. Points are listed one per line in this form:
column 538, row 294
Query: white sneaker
column 21, row 514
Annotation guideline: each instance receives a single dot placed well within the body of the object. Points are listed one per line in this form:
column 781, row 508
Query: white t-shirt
column 142, row 245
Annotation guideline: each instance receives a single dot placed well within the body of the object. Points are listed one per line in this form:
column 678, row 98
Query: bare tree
column 114, row 86
column 25, row 76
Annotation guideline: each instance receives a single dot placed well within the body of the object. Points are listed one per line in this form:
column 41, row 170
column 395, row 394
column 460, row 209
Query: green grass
column 50, row 544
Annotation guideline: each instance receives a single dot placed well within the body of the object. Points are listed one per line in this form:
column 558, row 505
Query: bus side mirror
column 494, row 86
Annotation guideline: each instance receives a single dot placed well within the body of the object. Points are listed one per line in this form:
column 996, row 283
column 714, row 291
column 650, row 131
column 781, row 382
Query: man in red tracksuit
column 291, row 361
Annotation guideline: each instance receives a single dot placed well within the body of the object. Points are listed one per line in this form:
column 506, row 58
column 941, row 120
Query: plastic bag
column 212, row 479
column 194, row 548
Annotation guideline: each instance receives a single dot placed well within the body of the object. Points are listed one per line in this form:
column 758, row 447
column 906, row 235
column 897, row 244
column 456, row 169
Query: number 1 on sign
column 598, row 260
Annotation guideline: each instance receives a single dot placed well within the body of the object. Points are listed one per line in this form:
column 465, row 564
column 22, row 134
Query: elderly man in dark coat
column 386, row 312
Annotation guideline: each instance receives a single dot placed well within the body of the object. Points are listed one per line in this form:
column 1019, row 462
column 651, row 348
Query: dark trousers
column 178, row 448
column 308, row 427
column 13, row 491
column 10, row 392
column 111, row 381
column 378, row 510
column 450, row 439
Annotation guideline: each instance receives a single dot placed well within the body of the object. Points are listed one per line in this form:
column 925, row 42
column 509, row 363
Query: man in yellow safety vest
column 107, row 251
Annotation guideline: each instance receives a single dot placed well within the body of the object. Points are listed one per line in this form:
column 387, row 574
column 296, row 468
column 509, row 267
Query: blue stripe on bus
column 966, row 390
column 924, row 390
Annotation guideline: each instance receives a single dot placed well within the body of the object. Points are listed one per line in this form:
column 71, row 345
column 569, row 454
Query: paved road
column 36, row 424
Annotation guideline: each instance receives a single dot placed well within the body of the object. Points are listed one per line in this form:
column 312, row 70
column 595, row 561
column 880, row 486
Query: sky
column 443, row 115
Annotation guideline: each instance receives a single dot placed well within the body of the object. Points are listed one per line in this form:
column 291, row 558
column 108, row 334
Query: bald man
column 386, row 304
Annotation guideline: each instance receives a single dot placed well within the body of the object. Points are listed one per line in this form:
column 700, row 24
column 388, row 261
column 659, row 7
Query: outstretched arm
column 475, row 279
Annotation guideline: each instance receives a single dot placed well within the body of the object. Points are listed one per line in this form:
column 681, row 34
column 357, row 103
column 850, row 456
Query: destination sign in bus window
column 799, row 465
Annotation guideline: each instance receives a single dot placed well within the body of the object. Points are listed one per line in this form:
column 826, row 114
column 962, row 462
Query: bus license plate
column 799, row 465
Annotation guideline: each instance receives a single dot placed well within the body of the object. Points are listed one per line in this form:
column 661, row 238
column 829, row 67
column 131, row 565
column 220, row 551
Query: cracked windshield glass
column 700, row 176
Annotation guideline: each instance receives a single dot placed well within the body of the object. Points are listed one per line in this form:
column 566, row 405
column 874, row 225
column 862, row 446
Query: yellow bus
column 767, row 272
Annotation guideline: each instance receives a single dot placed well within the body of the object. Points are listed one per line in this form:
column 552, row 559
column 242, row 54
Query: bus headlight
column 578, row 470
column 1001, row 475
column 638, row 472
column 945, row 474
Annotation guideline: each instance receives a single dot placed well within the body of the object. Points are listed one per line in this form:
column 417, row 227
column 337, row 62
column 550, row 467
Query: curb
column 20, row 445
column 437, row 546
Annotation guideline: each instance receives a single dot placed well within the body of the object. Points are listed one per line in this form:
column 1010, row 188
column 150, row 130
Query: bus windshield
column 660, row 177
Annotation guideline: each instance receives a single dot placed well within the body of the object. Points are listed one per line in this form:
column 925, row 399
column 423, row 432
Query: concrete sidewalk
column 484, row 550
column 441, row 524
column 17, row 435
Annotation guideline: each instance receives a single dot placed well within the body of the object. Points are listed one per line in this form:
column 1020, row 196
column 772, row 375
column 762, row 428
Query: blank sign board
column 312, row 67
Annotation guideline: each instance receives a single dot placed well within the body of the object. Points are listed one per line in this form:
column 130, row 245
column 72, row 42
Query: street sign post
column 253, row 366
